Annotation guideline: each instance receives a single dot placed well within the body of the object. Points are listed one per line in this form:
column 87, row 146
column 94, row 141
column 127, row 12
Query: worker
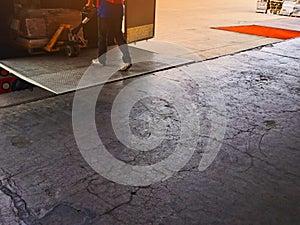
column 110, row 17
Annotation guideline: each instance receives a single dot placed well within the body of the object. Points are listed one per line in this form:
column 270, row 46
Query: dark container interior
column 8, row 50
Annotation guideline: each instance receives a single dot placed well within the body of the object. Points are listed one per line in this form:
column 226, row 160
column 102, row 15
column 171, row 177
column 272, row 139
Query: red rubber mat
column 262, row 31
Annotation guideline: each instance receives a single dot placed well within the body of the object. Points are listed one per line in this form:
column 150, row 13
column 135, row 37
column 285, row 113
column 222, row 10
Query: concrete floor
column 188, row 24
column 253, row 180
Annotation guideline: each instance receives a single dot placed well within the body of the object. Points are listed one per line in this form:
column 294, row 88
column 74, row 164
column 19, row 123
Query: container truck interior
column 8, row 48
column 58, row 73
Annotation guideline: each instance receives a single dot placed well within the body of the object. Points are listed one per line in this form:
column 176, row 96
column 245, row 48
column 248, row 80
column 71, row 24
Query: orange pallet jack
column 71, row 45
column 66, row 38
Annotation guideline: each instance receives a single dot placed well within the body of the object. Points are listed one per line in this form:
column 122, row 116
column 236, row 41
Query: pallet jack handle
column 90, row 13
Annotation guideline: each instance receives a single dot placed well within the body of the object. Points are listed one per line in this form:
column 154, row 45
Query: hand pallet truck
column 73, row 43
column 66, row 37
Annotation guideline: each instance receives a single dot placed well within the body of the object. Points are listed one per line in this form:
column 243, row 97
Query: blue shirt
column 109, row 10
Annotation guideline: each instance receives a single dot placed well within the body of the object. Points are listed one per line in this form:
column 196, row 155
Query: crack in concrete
column 119, row 205
column 63, row 211
column 252, row 157
column 19, row 204
column 260, row 143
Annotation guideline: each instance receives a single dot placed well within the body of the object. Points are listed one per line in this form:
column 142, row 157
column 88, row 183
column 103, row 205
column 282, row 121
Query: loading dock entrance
column 59, row 74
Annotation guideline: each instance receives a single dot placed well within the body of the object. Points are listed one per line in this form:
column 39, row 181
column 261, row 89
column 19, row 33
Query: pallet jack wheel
column 77, row 50
column 72, row 51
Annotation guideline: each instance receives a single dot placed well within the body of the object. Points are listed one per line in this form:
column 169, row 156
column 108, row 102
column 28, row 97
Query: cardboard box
column 29, row 3
column 20, row 5
column 40, row 23
column 31, row 44
column 35, row 28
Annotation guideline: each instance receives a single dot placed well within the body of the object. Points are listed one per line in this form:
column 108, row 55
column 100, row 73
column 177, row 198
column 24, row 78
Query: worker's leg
column 110, row 39
column 102, row 39
column 116, row 26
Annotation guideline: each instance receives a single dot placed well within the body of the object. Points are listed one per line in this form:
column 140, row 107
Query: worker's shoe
column 97, row 62
column 125, row 67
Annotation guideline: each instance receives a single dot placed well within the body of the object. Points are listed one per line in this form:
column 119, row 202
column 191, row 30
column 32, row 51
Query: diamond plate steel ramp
column 59, row 74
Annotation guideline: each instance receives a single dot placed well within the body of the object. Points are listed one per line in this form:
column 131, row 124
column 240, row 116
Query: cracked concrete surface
column 253, row 180
column 18, row 212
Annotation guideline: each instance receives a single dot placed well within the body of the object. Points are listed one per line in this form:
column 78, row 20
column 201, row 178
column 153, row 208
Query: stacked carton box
column 34, row 26
column 38, row 23
column 20, row 5
column 275, row 6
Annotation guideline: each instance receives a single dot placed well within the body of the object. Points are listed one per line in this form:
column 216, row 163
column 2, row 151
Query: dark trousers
column 108, row 30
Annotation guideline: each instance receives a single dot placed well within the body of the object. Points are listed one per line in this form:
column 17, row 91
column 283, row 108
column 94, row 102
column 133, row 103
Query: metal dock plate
column 59, row 74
